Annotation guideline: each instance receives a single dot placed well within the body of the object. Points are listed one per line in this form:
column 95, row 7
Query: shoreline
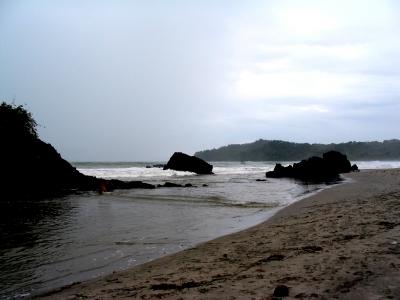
column 339, row 243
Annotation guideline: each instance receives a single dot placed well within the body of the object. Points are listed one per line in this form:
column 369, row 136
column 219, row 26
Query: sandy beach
column 342, row 243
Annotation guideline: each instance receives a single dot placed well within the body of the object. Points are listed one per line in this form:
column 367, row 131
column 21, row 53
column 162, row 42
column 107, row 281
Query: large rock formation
column 182, row 162
column 31, row 168
column 35, row 169
column 315, row 169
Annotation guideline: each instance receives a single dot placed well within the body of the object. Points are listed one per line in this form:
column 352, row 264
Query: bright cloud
column 306, row 22
column 309, row 49
column 253, row 85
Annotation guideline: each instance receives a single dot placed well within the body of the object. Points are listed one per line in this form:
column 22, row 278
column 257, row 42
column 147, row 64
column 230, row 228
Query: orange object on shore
column 102, row 187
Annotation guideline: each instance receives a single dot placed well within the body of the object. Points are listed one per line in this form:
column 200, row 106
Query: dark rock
column 336, row 162
column 315, row 169
column 155, row 166
column 354, row 168
column 281, row 171
column 281, row 291
column 170, row 184
column 114, row 184
column 182, row 162
column 158, row 166
column 261, row 180
column 204, row 185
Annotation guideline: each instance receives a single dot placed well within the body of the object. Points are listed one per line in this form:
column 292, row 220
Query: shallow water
column 51, row 243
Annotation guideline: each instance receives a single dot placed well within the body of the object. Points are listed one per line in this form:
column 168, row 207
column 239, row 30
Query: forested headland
column 275, row 150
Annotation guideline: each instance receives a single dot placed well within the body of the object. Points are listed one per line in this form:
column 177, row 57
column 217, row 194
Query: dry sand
column 343, row 243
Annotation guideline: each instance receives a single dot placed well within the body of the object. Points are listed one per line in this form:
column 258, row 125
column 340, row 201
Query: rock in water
column 182, row 162
column 170, row 184
column 337, row 162
column 315, row 169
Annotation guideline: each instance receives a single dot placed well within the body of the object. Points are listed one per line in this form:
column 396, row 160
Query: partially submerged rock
column 114, row 184
column 182, row 162
column 315, row 169
column 155, row 166
column 171, row 184
column 159, row 166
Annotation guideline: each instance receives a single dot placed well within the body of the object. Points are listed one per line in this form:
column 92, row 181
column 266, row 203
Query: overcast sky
column 138, row 80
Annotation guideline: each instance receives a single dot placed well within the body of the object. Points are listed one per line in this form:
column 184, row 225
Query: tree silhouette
column 16, row 122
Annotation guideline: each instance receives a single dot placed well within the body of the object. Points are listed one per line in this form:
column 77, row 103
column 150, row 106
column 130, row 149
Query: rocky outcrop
column 114, row 184
column 182, row 162
column 34, row 169
column 173, row 185
column 31, row 168
column 170, row 184
column 315, row 169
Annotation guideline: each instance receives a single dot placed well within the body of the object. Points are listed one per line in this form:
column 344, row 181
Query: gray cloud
column 133, row 80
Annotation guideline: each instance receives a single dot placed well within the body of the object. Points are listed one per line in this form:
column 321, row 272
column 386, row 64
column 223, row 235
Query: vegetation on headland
column 274, row 150
column 31, row 168
column 16, row 122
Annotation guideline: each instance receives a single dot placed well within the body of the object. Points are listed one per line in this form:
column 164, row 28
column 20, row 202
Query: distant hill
column 273, row 150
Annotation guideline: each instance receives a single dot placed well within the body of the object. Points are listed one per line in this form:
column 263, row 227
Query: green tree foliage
column 16, row 121
column 264, row 150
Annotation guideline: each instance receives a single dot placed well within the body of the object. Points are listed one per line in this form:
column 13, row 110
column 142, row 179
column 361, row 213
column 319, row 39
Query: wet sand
column 342, row 243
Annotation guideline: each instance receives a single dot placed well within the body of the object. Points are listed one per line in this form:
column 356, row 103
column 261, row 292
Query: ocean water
column 54, row 242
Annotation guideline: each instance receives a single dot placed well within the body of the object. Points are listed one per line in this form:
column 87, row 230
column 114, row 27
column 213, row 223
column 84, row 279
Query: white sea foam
column 132, row 172
column 139, row 171
column 377, row 164
column 112, row 171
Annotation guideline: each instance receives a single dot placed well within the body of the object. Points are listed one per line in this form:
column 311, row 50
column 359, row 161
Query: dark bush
column 16, row 121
